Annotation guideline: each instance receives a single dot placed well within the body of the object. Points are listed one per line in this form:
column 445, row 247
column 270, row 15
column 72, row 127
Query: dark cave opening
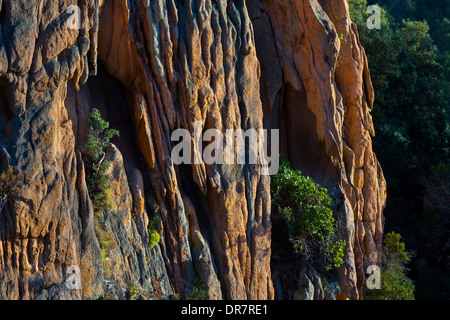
column 299, row 140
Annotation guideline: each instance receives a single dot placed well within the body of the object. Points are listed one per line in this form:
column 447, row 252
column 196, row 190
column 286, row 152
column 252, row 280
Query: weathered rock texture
column 152, row 67
column 316, row 89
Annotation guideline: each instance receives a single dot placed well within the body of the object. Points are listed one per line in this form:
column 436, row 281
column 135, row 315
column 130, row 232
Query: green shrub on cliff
column 98, row 139
column 198, row 291
column 153, row 233
column 308, row 212
column 395, row 285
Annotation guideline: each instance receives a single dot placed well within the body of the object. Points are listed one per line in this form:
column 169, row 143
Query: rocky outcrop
column 152, row 67
column 316, row 89
column 183, row 63
column 40, row 224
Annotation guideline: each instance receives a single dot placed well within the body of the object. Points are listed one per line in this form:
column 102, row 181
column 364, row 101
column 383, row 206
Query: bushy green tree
column 395, row 285
column 432, row 231
column 437, row 188
column 308, row 212
column 436, row 12
column 98, row 139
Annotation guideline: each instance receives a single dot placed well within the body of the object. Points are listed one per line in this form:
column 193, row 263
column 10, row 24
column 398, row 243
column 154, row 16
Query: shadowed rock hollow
column 152, row 67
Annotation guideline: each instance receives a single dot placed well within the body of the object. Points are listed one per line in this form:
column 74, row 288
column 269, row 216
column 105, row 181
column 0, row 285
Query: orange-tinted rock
column 321, row 99
column 161, row 66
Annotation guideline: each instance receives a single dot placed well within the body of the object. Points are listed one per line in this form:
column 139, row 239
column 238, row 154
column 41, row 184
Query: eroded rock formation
column 152, row 67
column 316, row 89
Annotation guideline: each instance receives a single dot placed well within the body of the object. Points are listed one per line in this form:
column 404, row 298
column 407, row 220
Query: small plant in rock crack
column 136, row 293
column 198, row 291
column 98, row 139
column 153, row 233
column 307, row 211
column 8, row 184
column 107, row 242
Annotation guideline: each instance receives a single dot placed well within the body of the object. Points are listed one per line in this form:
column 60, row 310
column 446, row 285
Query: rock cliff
column 152, row 67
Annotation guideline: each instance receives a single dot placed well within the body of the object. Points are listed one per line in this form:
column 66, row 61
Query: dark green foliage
column 437, row 189
column 434, row 220
column 98, row 139
column 410, row 78
column 308, row 212
column 409, row 65
column 434, row 284
column 436, row 12
column 395, row 285
column 411, row 90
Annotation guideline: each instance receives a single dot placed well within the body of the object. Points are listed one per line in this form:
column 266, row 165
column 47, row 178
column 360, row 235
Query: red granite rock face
column 151, row 69
column 316, row 88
